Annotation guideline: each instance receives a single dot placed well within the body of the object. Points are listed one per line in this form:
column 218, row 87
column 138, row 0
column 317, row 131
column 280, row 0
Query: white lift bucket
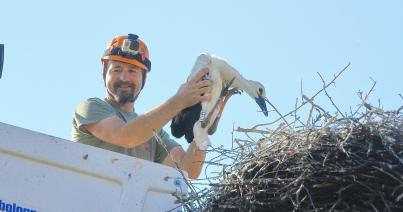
column 43, row 173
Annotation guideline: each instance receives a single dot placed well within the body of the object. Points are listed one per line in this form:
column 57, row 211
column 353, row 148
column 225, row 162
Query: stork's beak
column 262, row 104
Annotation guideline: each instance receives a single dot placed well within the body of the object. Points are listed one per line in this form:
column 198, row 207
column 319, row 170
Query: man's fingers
column 203, row 84
column 205, row 97
column 199, row 74
column 205, row 90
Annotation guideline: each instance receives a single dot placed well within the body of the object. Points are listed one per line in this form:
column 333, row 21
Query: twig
column 278, row 112
column 317, row 93
column 365, row 99
column 159, row 140
column 328, row 96
column 239, row 129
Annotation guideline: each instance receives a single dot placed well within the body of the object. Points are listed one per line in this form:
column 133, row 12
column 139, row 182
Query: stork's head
column 257, row 91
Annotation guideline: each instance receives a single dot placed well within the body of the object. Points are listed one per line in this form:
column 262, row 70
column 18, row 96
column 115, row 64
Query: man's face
column 123, row 81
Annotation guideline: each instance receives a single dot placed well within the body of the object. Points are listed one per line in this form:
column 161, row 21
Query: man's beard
column 126, row 96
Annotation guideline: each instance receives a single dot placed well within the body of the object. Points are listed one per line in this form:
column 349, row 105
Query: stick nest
column 342, row 162
column 346, row 165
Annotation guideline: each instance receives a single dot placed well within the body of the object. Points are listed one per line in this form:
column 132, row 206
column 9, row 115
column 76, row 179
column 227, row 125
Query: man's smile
column 123, row 87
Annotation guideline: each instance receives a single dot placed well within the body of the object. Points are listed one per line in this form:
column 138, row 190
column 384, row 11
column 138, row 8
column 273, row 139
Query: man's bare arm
column 190, row 161
column 142, row 128
column 137, row 131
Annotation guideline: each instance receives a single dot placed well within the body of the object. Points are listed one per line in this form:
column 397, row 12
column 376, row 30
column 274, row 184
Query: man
column 112, row 123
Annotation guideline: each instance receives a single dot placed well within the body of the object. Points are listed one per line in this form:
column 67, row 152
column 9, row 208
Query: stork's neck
column 241, row 83
column 247, row 86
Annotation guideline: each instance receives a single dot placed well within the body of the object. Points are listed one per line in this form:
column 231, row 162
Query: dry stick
column 317, row 93
column 310, row 100
column 310, row 198
column 339, row 197
column 393, row 152
column 212, row 162
column 297, row 196
column 232, row 136
column 239, row 129
column 308, row 121
column 341, row 145
column 387, row 173
column 206, row 175
column 399, row 197
column 364, row 100
column 295, row 113
column 372, row 206
column 278, row 112
column 209, row 179
column 188, row 183
column 222, row 152
column 181, row 201
column 240, row 145
column 247, row 135
column 330, row 98
column 373, row 191
column 301, row 93
column 401, row 96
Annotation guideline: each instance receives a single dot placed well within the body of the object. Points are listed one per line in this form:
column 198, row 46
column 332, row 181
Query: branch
column 317, row 93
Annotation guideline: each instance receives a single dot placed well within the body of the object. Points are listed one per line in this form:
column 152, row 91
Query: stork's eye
column 260, row 91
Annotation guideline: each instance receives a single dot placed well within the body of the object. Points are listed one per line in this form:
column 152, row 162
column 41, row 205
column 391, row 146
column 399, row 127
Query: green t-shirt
column 93, row 110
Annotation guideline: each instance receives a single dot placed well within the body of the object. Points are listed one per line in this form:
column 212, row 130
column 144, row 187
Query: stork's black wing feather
column 182, row 123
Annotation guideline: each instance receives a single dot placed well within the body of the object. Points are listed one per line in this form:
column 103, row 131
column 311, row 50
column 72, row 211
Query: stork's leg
column 205, row 121
column 227, row 94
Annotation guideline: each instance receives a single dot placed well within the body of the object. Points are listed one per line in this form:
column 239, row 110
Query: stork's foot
column 230, row 92
column 226, row 88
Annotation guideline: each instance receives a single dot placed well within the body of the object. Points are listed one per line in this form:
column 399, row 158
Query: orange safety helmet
column 129, row 49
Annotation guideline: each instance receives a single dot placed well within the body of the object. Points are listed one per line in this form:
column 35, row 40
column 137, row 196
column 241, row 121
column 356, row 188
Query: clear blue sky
column 53, row 49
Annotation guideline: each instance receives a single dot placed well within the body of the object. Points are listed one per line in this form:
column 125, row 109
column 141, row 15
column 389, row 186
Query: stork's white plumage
column 199, row 121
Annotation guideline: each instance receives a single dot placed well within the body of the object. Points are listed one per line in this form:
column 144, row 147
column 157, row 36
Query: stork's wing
column 182, row 124
column 177, row 126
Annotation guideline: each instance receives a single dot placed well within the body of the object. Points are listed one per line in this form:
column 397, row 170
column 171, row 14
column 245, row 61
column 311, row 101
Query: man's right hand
column 195, row 90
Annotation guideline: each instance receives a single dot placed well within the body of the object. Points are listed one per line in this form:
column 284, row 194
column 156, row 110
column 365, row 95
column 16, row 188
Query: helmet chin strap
column 135, row 97
column 144, row 75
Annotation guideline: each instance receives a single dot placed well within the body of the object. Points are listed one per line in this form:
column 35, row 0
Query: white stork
column 200, row 120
